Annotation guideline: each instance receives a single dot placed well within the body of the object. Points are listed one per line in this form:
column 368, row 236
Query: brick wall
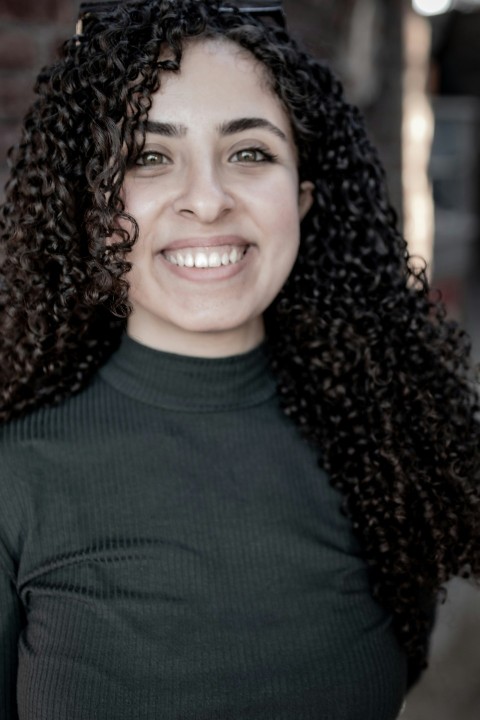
column 30, row 33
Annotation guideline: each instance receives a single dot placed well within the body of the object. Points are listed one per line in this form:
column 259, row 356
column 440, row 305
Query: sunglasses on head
column 268, row 12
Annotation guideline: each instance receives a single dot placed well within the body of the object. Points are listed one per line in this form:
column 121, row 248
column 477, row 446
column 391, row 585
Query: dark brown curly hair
column 368, row 365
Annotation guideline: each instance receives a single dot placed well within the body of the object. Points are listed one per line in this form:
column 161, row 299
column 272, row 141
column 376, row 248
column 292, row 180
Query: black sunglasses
column 270, row 12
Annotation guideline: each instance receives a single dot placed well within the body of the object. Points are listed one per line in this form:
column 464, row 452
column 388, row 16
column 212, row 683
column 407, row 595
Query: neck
column 199, row 344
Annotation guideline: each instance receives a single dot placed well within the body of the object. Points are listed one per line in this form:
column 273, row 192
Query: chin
column 240, row 327
column 212, row 327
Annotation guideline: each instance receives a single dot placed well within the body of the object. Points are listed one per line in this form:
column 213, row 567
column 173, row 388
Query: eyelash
column 267, row 157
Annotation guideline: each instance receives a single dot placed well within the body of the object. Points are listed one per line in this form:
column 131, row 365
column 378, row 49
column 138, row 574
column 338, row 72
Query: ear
column 305, row 197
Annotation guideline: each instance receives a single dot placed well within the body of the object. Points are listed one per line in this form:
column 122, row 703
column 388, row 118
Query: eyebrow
column 165, row 129
column 227, row 128
column 250, row 123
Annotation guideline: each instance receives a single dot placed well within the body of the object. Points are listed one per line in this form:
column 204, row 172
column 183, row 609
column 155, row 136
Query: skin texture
column 204, row 184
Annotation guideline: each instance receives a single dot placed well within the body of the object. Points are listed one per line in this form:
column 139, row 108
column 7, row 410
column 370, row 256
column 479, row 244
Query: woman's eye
column 151, row 158
column 252, row 155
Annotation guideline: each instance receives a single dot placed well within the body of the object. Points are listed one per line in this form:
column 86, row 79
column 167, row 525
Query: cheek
column 142, row 204
column 281, row 201
column 287, row 239
column 141, row 201
column 284, row 243
column 282, row 224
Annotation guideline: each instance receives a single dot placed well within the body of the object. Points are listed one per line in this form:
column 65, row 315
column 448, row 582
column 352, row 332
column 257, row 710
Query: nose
column 204, row 195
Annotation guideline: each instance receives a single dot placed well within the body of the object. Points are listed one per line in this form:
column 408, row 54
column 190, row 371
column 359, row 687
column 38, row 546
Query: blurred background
column 413, row 67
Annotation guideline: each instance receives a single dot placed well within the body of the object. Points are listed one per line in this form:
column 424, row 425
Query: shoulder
column 37, row 452
column 33, row 441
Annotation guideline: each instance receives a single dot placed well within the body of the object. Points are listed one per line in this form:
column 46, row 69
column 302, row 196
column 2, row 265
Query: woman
column 239, row 457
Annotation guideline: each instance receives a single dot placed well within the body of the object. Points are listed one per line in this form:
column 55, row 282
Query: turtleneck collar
column 185, row 383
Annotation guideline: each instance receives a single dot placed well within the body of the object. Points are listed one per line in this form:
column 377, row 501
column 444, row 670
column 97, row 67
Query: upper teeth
column 206, row 258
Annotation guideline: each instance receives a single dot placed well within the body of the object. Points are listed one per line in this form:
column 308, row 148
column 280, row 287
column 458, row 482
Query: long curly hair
column 368, row 365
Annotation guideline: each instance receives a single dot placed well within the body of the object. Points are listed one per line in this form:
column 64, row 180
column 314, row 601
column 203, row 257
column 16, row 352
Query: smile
column 205, row 257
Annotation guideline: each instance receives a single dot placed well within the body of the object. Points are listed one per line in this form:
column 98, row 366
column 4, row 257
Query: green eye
column 147, row 159
column 250, row 156
column 253, row 155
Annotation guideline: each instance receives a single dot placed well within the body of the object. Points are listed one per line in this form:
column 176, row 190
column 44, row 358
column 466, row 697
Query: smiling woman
column 217, row 201
column 239, row 443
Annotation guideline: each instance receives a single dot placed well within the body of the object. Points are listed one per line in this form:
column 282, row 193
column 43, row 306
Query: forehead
column 217, row 79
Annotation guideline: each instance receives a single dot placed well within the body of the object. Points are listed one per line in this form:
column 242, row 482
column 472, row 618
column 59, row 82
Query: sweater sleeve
column 11, row 614
column 10, row 624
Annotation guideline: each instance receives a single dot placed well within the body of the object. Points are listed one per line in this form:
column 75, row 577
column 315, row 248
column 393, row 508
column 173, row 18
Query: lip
column 205, row 242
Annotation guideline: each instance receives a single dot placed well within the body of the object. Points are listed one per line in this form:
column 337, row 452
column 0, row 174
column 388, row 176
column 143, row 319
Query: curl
column 368, row 366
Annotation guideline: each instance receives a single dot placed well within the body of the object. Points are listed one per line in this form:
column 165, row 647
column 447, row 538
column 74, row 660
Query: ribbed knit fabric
column 170, row 550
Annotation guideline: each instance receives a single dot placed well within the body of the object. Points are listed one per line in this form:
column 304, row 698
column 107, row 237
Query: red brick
column 67, row 14
column 36, row 10
column 18, row 50
column 16, row 94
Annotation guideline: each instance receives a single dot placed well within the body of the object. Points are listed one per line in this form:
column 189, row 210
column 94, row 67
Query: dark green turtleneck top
column 170, row 550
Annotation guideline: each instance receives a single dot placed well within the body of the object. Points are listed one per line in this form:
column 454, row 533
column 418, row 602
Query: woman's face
column 216, row 196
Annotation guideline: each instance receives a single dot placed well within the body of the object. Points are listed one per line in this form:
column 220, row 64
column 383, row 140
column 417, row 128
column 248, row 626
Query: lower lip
column 224, row 272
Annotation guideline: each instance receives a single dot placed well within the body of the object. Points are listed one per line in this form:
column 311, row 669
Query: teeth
column 214, row 260
column 201, row 260
column 205, row 258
